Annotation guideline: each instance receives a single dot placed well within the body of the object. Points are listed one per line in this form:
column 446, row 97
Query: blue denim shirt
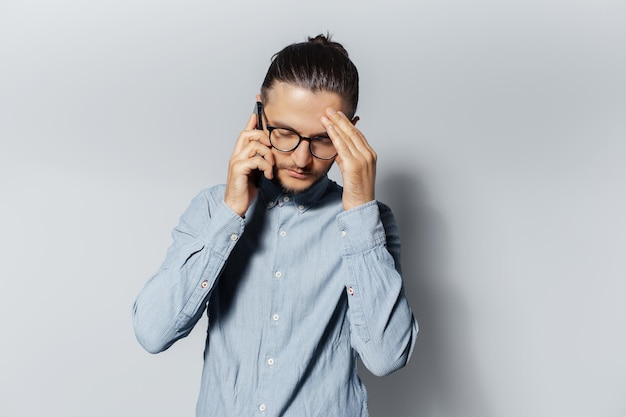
column 294, row 291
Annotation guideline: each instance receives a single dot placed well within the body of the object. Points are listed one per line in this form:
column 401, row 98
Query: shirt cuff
column 223, row 231
column 361, row 229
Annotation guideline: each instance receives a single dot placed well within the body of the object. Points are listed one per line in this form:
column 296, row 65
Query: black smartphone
column 259, row 115
column 258, row 109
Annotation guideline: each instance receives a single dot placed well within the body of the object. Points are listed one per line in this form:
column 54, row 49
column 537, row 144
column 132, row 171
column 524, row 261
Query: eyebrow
column 286, row 126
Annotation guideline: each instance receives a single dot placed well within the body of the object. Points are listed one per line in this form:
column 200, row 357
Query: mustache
column 295, row 169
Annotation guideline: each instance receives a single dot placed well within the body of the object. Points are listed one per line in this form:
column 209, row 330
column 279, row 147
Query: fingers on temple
column 345, row 136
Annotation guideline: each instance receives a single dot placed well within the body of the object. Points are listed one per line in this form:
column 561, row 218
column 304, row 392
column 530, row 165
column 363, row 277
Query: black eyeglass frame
column 300, row 139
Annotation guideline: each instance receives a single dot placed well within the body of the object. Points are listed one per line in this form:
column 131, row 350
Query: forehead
column 298, row 106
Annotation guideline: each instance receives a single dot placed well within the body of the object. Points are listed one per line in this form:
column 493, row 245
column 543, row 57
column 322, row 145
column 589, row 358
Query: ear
column 258, row 97
column 355, row 119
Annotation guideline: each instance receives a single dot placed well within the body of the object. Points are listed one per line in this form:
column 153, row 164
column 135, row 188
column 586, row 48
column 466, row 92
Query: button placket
column 271, row 348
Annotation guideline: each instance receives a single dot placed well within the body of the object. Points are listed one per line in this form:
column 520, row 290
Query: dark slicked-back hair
column 318, row 64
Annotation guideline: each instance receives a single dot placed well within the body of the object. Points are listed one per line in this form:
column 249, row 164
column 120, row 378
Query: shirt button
column 286, row 199
column 278, row 274
column 343, row 233
column 275, row 317
column 234, row 237
column 204, row 284
column 271, row 204
column 262, row 407
column 351, row 291
column 283, row 233
column 270, row 361
column 300, row 207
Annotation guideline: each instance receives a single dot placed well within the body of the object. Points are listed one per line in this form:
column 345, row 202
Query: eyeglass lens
column 286, row 140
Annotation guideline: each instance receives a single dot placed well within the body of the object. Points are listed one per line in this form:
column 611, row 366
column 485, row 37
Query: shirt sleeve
column 173, row 300
column 383, row 329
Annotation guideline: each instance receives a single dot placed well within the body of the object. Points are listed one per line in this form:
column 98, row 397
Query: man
column 298, row 275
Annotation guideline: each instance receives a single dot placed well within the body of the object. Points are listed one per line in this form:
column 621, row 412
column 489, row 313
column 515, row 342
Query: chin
column 295, row 186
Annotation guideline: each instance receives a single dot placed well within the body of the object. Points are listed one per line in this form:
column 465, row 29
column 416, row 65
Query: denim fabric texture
column 294, row 292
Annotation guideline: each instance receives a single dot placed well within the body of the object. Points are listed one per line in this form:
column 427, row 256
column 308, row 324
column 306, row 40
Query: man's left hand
column 355, row 157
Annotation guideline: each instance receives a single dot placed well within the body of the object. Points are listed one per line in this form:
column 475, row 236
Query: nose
column 301, row 155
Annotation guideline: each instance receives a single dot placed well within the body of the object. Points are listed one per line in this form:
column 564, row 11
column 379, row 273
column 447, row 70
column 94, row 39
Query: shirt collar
column 272, row 193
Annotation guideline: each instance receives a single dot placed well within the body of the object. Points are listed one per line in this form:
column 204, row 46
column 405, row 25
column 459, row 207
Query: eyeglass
column 285, row 139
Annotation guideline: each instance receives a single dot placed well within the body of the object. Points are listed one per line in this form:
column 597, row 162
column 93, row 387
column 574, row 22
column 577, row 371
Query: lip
column 297, row 174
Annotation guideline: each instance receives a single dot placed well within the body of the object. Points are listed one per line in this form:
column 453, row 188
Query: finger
column 241, row 140
column 338, row 118
column 255, row 148
column 261, row 164
column 258, row 161
column 255, row 156
column 337, row 137
column 268, row 169
column 347, row 126
column 250, row 161
column 351, row 136
column 353, row 151
column 340, row 133
column 247, row 136
column 260, row 138
column 251, row 125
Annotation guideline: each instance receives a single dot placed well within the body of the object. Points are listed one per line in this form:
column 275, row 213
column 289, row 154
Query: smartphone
column 258, row 109
column 259, row 115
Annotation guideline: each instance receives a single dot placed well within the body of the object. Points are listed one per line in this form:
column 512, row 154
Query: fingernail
column 325, row 120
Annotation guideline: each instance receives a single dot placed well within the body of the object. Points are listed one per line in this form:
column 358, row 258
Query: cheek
column 323, row 166
column 279, row 157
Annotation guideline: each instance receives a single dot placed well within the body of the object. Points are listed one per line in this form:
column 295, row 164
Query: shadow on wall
column 440, row 379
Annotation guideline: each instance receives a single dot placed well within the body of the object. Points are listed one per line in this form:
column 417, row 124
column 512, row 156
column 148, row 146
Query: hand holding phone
column 251, row 159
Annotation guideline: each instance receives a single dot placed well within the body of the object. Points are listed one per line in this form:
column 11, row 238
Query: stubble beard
column 317, row 175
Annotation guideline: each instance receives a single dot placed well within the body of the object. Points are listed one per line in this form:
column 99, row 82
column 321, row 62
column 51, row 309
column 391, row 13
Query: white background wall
column 500, row 128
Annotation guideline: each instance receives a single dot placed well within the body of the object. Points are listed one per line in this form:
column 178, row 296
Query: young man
column 298, row 275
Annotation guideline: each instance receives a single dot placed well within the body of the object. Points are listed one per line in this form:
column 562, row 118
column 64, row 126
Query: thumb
column 251, row 125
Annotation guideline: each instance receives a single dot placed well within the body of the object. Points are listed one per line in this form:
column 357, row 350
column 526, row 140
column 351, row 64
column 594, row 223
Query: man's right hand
column 251, row 157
